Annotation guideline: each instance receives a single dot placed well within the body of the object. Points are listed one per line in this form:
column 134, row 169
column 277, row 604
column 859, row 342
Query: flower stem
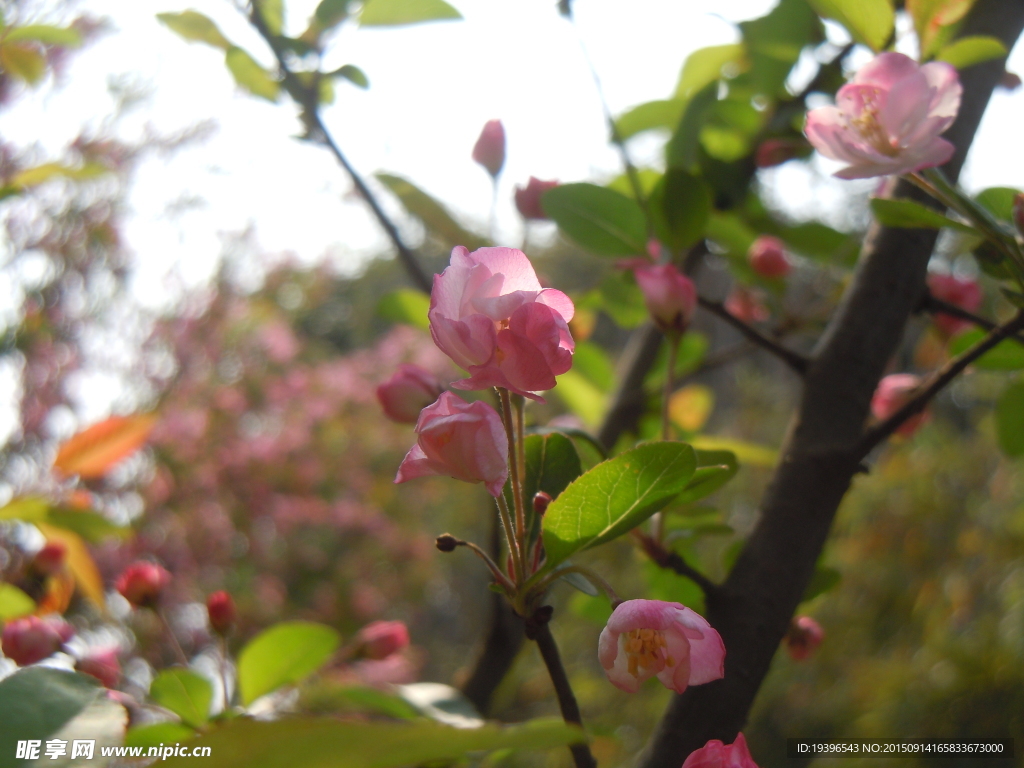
column 224, row 673
column 518, row 571
column 178, row 651
column 673, row 352
column 513, row 466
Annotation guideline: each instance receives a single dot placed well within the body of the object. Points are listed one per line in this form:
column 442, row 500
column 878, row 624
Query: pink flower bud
column 50, row 559
column 489, row 314
column 965, row 294
column 528, row 198
column 892, row 393
column 141, row 583
column 772, row 152
column 462, row 440
column 31, row 639
column 767, row 257
column 380, row 639
column 541, row 502
column 222, row 612
column 102, row 664
column 646, row 638
column 716, row 754
column 804, row 636
column 746, row 304
column 407, row 392
column 887, row 120
column 670, row 296
column 489, row 149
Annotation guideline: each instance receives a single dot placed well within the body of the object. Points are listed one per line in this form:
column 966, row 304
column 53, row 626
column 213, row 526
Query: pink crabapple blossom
column 887, row 120
column 646, row 638
column 670, row 296
column 491, row 316
column 767, row 257
column 892, row 393
column 528, row 198
column 380, row 639
column 962, row 293
column 804, row 636
column 31, row 638
column 716, row 754
column 409, row 390
column 463, row 440
column 489, row 149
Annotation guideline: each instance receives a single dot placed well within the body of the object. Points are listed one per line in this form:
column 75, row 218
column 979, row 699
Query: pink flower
column 407, row 392
column 380, row 639
column 141, row 583
column 746, row 304
column 462, row 440
column 767, row 257
column 670, row 296
column 804, row 636
column 489, row 149
column 528, row 198
column 715, row 754
column 650, row 637
column 102, row 664
column 31, row 639
column 965, row 294
column 887, row 120
column 892, row 393
column 489, row 313
column 221, row 610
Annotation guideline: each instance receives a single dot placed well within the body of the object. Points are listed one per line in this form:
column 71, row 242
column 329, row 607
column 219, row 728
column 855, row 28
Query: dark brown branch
column 937, row 382
column 666, row 558
column 794, row 360
column 308, row 98
column 538, row 629
column 936, row 306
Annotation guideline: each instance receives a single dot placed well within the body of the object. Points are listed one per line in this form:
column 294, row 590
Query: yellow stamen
column 643, row 648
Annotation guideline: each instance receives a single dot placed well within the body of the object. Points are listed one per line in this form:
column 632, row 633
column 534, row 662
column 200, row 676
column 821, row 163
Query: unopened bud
column 141, row 584
column 489, row 149
column 407, row 392
column 767, row 257
column 805, row 634
column 446, row 542
column 382, row 638
column 31, row 639
column 541, row 500
column 528, row 198
column 50, row 559
column 1018, row 212
column 222, row 612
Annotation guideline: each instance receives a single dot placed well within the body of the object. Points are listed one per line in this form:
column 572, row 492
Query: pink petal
column 944, row 79
column 607, row 647
column 415, row 464
column 618, row 673
column 512, row 263
column 467, row 342
column 936, row 152
column 558, row 301
column 885, row 70
column 906, row 106
column 828, row 132
column 677, row 677
column 711, row 755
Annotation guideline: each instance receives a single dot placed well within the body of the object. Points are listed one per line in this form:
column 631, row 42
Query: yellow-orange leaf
column 80, row 562
column 92, row 453
column 59, row 590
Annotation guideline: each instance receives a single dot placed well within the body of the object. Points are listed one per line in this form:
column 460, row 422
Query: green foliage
column 185, row 693
column 968, row 51
column 194, row 27
column 283, row 654
column 406, row 306
column 998, row 201
column 714, row 469
column 774, row 43
column 23, row 62
column 36, row 702
column 683, row 149
column 14, row 603
column 1010, row 419
column 250, row 76
column 156, row 734
column 328, row 743
column 597, row 218
column 354, row 75
column 430, row 212
column 46, row 34
column 393, row 13
column 680, row 207
column 868, row 21
column 551, row 464
column 911, row 215
column 650, row 116
column 706, row 65
column 91, row 526
column 823, row 580
column 1007, row 355
column 272, row 13
column 620, row 297
column 582, row 397
column 321, row 697
column 935, row 20
column 616, row 496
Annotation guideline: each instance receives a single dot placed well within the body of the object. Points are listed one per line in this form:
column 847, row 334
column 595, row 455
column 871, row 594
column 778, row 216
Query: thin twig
column 936, row 383
column 935, row 305
column 178, row 650
column 673, row 353
column 666, row 558
column 794, row 360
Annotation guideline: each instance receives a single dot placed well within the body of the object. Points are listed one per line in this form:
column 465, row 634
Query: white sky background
column 432, row 88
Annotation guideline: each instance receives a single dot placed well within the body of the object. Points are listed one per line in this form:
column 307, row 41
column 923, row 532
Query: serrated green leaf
column 194, row 27
column 45, row 34
column 14, row 603
column 599, row 219
column 868, row 21
column 282, row 655
column 1010, row 419
column 393, row 13
column 405, row 306
column 616, row 496
column 185, row 693
column 968, row 51
column 910, row 215
column 250, row 76
column 428, row 210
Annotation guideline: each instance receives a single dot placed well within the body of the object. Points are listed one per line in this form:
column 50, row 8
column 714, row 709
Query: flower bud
column 528, row 198
column 489, row 149
column 767, row 257
column 50, row 559
column 772, row 152
column 892, row 393
column 380, row 639
column 31, row 639
column 102, row 664
column 541, row 500
column 407, row 392
column 805, row 634
column 141, row 583
column 446, row 542
column 670, row 296
column 222, row 612
column 965, row 294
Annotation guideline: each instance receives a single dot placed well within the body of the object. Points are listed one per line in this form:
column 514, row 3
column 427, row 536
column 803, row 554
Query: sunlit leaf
column 868, row 21
column 714, row 469
column 95, row 451
column 23, row 61
column 14, row 603
column 690, row 407
column 38, row 174
column 194, row 27
column 650, row 116
column 597, row 218
column 405, row 306
column 393, row 13
column 911, row 215
column 272, row 12
column 28, row 509
column 354, row 75
column 968, row 51
column 282, row 655
column 185, row 693
column 582, row 397
column 705, row 66
column 747, row 453
column 250, row 76
column 79, row 562
column 680, row 206
column 45, row 34
column 934, row 20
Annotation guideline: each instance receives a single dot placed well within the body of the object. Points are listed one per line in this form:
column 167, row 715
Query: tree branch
column 937, row 382
column 794, row 360
column 936, row 306
column 666, row 558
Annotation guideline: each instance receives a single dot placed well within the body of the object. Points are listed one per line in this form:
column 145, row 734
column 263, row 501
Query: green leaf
column 593, row 362
column 91, row 526
column 597, row 218
column 910, row 215
column 935, row 21
column 650, row 116
column 683, row 149
column 158, row 733
column 28, row 509
column 581, row 397
column 184, row 692
column 14, row 603
column 647, row 178
column 322, row 697
column 714, row 469
column 551, row 464
column 705, row 66
column 680, row 208
column 354, row 75
column 393, row 13
column 1007, row 355
column 616, row 496
column 580, row 582
column 250, row 76
column 45, row 34
column 823, row 579
column 775, row 41
column 868, row 21
column 621, row 298
column 283, row 654
column 748, row 453
column 329, row 743
column 730, row 232
column 23, row 61
column 36, row 702
column 330, row 13
column 194, row 27
column 434, row 216
column 998, row 201
column 968, row 51
column 272, row 12
column 405, row 306
column 1010, row 419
